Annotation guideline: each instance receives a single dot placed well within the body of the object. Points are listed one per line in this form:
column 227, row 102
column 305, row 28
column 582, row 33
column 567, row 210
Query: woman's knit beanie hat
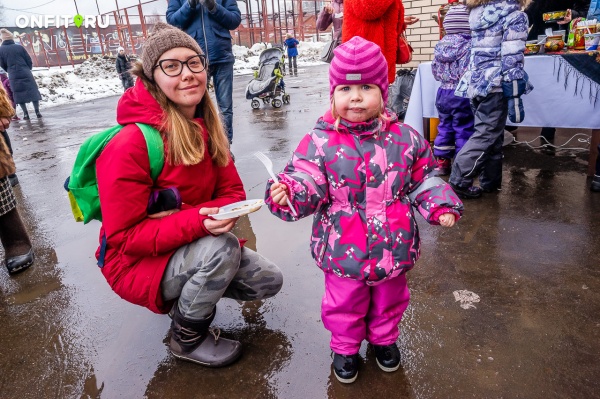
column 456, row 20
column 164, row 37
column 6, row 35
column 358, row 61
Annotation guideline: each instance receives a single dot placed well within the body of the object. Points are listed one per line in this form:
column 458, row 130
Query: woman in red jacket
column 179, row 260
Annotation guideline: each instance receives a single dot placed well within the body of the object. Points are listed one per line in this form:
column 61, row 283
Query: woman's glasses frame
column 202, row 58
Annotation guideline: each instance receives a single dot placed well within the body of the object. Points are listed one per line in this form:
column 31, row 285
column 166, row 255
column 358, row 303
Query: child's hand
column 447, row 219
column 279, row 193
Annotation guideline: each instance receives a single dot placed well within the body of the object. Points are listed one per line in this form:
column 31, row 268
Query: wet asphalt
column 530, row 253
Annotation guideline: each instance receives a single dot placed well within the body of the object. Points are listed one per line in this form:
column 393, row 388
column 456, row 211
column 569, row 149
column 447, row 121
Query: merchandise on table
column 554, row 16
column 554, row 43
column 591, row 41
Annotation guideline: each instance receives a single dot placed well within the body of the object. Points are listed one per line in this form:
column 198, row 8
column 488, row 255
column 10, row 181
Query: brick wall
column 423, row 35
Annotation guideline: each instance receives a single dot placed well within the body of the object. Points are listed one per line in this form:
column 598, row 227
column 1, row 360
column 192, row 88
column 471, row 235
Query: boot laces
column 215, row 332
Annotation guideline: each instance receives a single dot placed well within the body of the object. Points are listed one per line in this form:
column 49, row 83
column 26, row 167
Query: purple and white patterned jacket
column 361, row 184
column 499, row 32
column 451, row 57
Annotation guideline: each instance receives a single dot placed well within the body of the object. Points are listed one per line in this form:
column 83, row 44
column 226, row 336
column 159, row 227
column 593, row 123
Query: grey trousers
column 482, row 154
column 204, row 271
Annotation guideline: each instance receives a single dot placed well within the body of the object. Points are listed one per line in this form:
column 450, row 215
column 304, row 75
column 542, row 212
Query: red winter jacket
column 138, row 248
column 379, row 21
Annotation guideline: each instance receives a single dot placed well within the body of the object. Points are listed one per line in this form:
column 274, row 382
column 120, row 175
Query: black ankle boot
column 18, row 253
column 26, row 117
column 345, row 367
column 39, row 115
column 194, row 341
column 13, row 179
column 595, row 186
column 388, row 357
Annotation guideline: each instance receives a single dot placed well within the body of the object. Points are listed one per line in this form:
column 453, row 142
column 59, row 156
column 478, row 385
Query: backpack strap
column 156, row 149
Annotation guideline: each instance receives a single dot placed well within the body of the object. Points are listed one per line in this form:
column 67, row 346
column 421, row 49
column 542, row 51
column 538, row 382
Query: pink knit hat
column 359, row 61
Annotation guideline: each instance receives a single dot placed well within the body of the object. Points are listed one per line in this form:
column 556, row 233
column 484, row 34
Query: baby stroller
column 268, row 84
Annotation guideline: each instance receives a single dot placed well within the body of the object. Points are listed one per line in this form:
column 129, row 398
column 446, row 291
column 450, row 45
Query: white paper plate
column 238, row 209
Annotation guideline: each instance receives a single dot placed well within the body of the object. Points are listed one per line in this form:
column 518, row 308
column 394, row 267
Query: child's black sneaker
column 471, row 192
column 345, row 367
column 388, row 357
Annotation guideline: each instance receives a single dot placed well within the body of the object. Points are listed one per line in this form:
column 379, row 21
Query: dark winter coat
column 123, row 65
column 15, row 60
column 139, row 248
column 208, row 27
column 536, row 10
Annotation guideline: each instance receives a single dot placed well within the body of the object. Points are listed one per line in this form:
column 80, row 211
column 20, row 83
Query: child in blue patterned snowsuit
column 451, row 58
column 494, row 82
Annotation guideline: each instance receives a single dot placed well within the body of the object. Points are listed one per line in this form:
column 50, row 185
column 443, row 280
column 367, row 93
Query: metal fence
column 128, row 27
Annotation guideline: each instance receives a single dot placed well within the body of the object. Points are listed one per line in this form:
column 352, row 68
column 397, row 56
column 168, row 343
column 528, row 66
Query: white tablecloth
column 549, row 104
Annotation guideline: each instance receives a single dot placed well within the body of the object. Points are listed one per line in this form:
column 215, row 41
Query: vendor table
column 553, row 102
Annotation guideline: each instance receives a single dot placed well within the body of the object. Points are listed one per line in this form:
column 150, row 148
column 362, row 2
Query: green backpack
column 82, row 185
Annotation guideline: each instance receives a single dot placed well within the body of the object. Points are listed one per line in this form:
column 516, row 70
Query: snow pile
column 97, row 77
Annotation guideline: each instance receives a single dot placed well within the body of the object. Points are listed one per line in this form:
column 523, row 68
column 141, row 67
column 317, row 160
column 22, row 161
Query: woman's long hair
column 184, row 141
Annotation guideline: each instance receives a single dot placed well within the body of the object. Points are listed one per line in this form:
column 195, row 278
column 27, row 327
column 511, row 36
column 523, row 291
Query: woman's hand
column 5, row 123
column 447, row 219
column 567, row 18
column 217, row 227
column 410, row 19
column 328, row 9
column 279, row 193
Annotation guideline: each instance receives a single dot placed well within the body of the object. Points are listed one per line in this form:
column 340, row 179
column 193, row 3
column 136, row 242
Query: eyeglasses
column 196, row 64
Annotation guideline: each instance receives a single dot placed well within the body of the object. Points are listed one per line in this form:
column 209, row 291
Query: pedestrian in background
column 18, row 251
column 123, row 64
column 292, row 52
column 332, row 13
column 179, row 259
column 210, row 23
column 15, row 60
column 360, row 173
column 451, row 57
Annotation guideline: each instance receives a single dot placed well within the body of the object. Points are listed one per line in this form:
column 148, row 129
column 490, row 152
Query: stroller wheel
column 276, row 103
column 255, row 104
column 286, row 98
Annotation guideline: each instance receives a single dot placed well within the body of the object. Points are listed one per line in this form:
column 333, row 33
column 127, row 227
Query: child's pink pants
column 354, row 311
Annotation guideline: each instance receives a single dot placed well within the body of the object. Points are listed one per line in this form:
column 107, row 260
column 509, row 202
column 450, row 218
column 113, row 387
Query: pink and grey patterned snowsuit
column 361, row 183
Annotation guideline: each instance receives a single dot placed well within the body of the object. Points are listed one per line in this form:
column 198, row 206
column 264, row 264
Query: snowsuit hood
column 523, row 4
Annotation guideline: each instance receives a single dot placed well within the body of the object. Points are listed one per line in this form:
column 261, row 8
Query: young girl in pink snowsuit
column 361, row 172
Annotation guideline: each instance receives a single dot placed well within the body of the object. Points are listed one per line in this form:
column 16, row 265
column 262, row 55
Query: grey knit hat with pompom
column 164, row 37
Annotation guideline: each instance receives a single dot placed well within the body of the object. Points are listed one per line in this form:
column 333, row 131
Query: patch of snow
column 97, row 76
column 466, row 298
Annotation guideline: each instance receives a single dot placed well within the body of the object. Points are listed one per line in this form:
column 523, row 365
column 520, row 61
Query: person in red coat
column 378, row 21
column 179, row 260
